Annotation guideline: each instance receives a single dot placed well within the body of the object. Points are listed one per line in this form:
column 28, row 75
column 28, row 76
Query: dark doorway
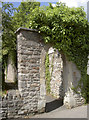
column 52, row 103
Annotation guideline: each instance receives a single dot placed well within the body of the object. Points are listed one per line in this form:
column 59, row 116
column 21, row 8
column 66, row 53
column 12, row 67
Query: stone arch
column 56, row 78
column 31, row 52
column 71, row 76
column 56, row 70
column 30, row 96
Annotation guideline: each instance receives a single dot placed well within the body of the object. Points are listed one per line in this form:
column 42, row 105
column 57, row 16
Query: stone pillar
column 31, row 70
column 42, row 100
column 56, row 72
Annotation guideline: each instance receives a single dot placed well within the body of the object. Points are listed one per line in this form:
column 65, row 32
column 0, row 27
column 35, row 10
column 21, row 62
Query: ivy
column 47, row 74
column 67, row 29
column 12, row 19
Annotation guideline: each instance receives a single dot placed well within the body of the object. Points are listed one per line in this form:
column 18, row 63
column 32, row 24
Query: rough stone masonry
column 31, row 94
column 31, row 73
column 56, row 72
column 31, row 54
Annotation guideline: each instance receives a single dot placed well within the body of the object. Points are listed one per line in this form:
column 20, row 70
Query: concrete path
column 55, row 109
column 62, row 112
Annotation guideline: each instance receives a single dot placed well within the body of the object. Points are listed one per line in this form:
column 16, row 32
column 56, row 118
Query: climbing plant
column 67, row 29
column 47, row 74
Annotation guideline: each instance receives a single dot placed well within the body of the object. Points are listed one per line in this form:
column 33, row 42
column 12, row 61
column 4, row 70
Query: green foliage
column 20, row 17
column 3, row 93
column 47, row 74
column 12, row 19
column 67, row 29
column 8, row 37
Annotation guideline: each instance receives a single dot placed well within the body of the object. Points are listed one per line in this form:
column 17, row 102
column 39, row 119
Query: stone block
column 41, row 105
column 69, row 100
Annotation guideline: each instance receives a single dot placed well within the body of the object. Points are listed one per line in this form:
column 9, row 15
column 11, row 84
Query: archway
column 70, row 76
column 55, row 98
column 31, row 73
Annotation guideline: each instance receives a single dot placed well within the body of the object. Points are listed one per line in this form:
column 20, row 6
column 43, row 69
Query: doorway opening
column 53, row 80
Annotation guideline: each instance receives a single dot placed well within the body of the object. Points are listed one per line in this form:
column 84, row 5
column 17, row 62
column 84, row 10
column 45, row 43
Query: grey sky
column 76, row 3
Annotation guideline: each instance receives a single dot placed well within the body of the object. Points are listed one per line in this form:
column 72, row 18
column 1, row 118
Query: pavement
column 56, row 109
column 62, row 112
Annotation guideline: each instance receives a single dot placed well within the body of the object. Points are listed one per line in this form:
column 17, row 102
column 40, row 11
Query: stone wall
column 31, row 53
column 64, row 77
column 31, row 74
column 71, row 76
column 56, row 72
column 31, row 94
column 11, row 103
